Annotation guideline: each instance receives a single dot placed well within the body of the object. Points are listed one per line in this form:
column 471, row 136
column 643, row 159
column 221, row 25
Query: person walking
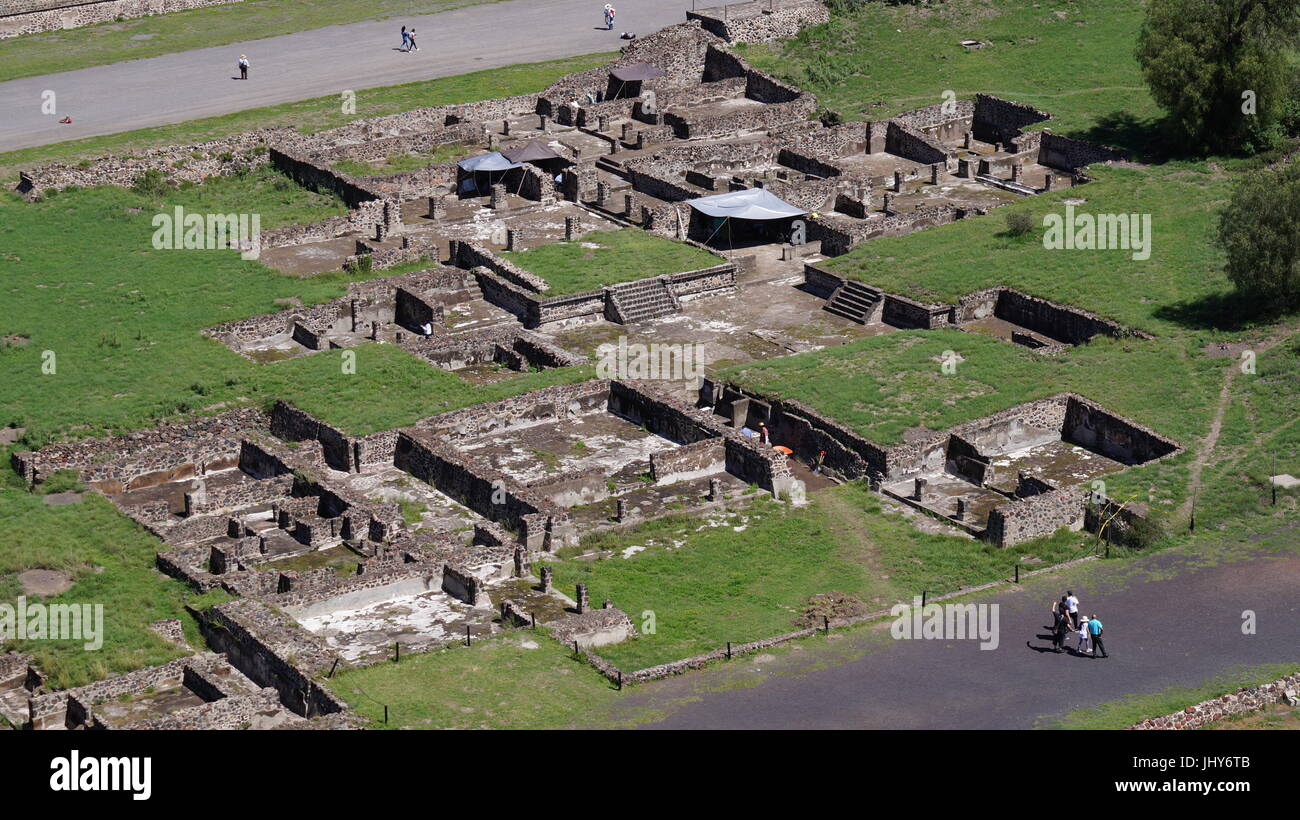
column 762, row 432
column 410, row 36
column 609, row 17
column 1094, row 631
column 1072, row 607
column 406, row 40
column 243, row 66
column 1084, row 644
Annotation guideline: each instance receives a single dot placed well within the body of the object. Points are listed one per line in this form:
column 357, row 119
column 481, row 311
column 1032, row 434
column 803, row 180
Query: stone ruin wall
column 761, row 21
column 167, row 452
column 1243, row 701
column 1035, row 517
column 31, row 16
column 272, row 650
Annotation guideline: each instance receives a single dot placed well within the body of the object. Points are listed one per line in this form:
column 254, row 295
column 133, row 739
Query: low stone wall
column 1035, row 517
column 1090, row 425
column 996, row 120
column 1062, row 322
column 31, row 16
column 181, row 163
column 760, row 21
column 1070, row 154
column 272, row 650
column 576, row 488
column 1243, row 701
column 167, row 452
column 689, row 461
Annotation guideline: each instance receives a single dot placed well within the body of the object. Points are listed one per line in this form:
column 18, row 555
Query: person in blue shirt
column 1094, row 631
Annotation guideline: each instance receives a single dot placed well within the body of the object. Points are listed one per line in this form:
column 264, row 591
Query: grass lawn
column 748, row 577
column 1073, row 59
column 111, row 562
column 405, row 162
column 1122, row 713
column 519, row 680
column 310, row 115
column 52, row 51
column 124, row 329
column 623, row 255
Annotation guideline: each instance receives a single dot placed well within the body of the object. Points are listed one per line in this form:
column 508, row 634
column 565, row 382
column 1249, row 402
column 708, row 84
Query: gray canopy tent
column 488, row 164
column 625, row 81
column 754, row 214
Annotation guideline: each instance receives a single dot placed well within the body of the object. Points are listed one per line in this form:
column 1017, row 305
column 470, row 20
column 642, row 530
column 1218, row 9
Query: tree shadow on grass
column 1149, row 141
column 1229, row 311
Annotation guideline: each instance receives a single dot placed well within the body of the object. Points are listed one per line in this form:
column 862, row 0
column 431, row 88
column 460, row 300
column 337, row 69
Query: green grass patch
column 124, row 329
column 750, row 577
column 405, row 162
column 1073, row 59
column 623, row 255
column 1122, row 713
column 494, row 684
column 111, row 562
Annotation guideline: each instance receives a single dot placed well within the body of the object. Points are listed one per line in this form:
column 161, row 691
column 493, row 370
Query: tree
column 1260, row 231
column 1219, row 68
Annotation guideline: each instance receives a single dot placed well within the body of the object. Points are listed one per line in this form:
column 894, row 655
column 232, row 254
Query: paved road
column 192, row 84
column 1174, row 624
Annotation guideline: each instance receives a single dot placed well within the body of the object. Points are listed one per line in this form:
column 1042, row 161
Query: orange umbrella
column 784, row 449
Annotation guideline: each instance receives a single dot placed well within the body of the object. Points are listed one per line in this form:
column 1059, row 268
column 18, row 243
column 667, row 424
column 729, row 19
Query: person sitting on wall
column 427, row 329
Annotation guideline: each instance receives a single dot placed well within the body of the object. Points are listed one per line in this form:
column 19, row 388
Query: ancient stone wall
column 760, row 21
column 997, row 120
column 166, row 452
column 1069, row 154
column 1092, row 426
column 1243, row 701
column 689, row 461
column 1035, row 517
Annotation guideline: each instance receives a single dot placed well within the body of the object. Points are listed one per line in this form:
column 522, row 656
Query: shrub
column 1019, row 223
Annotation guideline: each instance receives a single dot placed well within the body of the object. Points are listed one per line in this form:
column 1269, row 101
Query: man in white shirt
column 1072, row 607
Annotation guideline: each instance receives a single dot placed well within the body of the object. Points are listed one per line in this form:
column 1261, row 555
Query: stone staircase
column 642, row 300
column 854, row 301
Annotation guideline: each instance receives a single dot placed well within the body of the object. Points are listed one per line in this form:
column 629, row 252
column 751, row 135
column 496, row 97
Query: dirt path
column 1216, row 427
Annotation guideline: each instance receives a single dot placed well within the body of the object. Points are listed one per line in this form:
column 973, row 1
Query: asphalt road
column 1180, row 625
column 201, row 83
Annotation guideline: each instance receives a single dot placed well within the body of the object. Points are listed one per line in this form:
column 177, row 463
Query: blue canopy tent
column 483, row 163
column 752, row 205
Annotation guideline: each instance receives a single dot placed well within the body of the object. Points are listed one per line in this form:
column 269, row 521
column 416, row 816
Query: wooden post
column 385, row 714
column 332, row 668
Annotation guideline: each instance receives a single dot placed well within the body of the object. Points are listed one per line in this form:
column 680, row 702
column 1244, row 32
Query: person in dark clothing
column 1094, row 631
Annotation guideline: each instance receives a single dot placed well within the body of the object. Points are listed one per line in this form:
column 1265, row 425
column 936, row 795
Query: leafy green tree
column 1260, row 231
column 1219, row 68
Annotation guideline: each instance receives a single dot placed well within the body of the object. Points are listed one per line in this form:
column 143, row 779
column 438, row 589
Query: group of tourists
column 1068, row 620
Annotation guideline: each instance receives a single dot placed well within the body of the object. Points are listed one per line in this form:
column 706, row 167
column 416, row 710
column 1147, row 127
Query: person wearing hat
column 243, row 66
column 609, row 17
column 1083, row 647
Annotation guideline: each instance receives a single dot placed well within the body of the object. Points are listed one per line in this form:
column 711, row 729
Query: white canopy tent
column 751, row 203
